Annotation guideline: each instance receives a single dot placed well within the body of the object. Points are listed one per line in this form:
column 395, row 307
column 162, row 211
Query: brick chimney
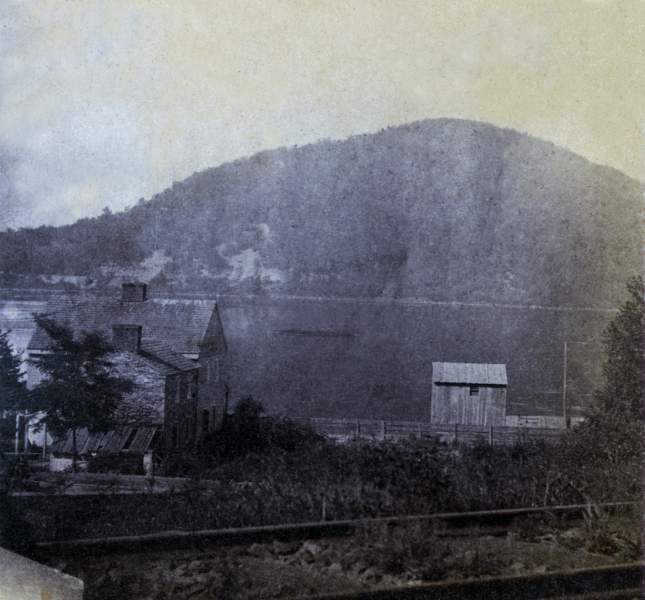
column 126, row 338
column 134, row 292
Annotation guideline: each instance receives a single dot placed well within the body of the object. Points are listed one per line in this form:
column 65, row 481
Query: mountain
column 347, row 267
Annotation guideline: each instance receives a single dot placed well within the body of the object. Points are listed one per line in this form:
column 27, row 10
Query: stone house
column 172, row 349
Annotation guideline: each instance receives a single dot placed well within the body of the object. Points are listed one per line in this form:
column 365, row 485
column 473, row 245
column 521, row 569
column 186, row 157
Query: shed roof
column 162, row 352
column 181, row 324
column 469, row 373
column 104, row 443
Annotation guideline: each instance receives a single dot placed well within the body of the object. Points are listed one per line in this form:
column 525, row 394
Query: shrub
column 247, row 431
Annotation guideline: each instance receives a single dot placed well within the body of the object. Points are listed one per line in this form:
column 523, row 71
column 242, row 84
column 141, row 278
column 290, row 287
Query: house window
column 206, row 417
column 178, row 397
column 175, row 436
column 211, row 369
column 194, row 382
column 474, row 390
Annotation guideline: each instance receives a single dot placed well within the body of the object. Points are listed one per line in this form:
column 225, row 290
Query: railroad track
column 616, row 582
column 457, row 523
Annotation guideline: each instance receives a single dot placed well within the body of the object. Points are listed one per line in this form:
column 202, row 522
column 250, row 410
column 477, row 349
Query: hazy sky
column 104, row 102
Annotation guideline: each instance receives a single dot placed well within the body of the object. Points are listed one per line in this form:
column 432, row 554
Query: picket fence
column 381, row 430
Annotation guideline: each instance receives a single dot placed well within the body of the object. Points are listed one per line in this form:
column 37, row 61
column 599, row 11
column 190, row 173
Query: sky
column 103, row 103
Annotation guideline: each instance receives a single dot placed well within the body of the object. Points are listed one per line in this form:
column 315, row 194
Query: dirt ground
column 373, row 558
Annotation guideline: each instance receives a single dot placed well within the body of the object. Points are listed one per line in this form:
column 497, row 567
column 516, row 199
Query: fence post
column 45, row 442
column 490, row 435
column 419, row 429
column 358, row 428
column 382, row 430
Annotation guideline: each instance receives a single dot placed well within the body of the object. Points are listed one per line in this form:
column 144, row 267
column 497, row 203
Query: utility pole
column 564, row 385
column 17, row 436
column 564, row 375
column 45, row 442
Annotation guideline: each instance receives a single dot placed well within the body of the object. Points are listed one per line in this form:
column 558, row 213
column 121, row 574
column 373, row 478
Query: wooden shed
column 468, row 393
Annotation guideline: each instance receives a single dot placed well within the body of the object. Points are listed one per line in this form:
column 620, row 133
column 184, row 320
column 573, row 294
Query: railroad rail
column 615, row 582
column 451, row 523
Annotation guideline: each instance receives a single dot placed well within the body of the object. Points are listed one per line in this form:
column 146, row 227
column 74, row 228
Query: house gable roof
column 469, row 373
column 181, row 324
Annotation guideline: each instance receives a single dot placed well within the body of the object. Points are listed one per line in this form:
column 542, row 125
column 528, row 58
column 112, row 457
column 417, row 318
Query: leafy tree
column 600, row 459
column 247, row 430
column 621, row 390
column 79, row 389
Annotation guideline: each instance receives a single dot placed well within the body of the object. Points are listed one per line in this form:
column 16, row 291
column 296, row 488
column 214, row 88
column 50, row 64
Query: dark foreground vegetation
column 325, row 481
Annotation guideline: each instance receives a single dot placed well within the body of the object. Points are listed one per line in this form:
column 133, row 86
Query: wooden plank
column 142, row 439
column 467, row 432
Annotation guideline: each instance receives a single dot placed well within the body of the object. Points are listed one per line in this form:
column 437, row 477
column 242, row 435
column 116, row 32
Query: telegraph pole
column 564, row 375
column 564, row 385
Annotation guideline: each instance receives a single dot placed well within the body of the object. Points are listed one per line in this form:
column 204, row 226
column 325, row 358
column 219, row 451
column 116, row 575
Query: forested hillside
column 372, row 235
column 440, row 209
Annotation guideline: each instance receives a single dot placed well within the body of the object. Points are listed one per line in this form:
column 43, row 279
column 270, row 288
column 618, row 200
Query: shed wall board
column 454, row 404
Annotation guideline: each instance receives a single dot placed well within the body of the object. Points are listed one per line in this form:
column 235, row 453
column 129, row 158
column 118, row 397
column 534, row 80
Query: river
column 15, row 315
column 322, row 357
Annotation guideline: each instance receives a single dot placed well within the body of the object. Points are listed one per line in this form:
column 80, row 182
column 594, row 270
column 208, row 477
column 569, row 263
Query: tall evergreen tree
column 13, row 391
column 79, row 389
column 12, row 387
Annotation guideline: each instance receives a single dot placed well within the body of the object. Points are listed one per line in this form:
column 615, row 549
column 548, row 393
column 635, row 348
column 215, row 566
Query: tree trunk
column 74, row 450
column 225, row 415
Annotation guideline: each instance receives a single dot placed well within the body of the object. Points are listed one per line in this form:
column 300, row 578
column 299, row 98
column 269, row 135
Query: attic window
column 134, row 292
column 474, row 390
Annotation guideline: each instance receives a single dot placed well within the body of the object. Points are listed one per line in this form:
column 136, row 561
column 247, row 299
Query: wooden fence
column 379, row 430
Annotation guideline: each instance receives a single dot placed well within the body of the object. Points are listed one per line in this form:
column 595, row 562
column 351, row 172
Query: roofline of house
column 479, row 383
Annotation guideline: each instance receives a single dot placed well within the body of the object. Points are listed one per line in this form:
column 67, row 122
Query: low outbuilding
column 468, row 393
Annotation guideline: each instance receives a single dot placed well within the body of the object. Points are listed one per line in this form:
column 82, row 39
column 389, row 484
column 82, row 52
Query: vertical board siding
column 452, row 404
